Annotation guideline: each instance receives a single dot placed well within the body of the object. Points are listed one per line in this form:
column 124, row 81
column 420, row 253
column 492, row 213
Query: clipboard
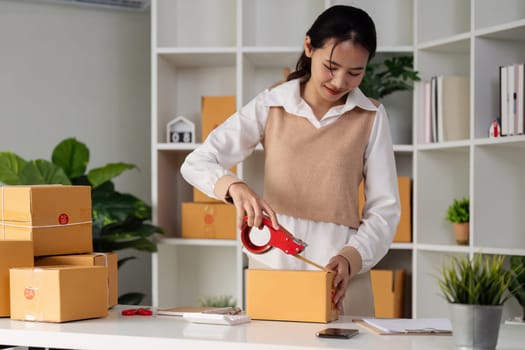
column 181, row 310
column 407, row 326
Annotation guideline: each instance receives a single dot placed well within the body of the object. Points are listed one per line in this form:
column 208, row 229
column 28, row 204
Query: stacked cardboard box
column 51, row 224
column 207, row 217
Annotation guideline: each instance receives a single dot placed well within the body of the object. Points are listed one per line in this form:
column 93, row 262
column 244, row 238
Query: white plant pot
column 475, row 326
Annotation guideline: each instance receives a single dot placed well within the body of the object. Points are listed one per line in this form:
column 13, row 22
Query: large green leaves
column 10, row 167
column 103, row 174
column 72, row 156
column 40, row 171
column 480, row 281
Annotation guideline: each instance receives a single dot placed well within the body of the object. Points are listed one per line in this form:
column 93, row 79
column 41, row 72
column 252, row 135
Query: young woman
column 321, row 138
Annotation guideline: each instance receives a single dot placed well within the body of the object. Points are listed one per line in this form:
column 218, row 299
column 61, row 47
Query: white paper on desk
column 406, row 325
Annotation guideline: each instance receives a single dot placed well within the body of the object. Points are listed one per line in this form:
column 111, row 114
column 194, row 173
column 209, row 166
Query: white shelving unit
column 240, row 47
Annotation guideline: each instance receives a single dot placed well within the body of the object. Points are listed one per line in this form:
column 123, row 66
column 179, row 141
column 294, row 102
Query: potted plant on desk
column 517, row 284
column 458, row 215
column 476, row 290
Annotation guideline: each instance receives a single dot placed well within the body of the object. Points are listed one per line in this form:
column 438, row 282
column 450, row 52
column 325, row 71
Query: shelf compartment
column 196, row 23
column 442, row 175
column 190, row 272
column 181, row 86
column 172, row 191
column 497, row 216
column 431, row 303
column 445, row 58
column 490, row 54
column 390, row 18
column 441, row 19
column 491, row 13
column 276, row 22
column 263, row 69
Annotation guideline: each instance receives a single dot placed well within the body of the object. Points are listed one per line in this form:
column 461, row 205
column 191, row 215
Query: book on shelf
column 512, row 98
column 445, row 102
column 453, row 107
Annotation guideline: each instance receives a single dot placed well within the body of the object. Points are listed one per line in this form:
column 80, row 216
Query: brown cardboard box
column 404, row 229
column 387, row 287
column 215, row 110
column 59, row 293
column 57, row 218
column 200, row 197
column 107, row 260
column 208, row 220
column 290, row 295
column 12, row 254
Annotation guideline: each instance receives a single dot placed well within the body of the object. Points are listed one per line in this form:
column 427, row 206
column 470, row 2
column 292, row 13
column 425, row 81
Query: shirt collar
column 288, row 96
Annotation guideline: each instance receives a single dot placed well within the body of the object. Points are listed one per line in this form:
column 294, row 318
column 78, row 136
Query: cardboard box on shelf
column 387, row 287
column 290, row 295
column 56, row 218
column 58, row 293
column 108, row 260
column 208, row 220
column 215, row 110
column 404, row 229
column 12, row 254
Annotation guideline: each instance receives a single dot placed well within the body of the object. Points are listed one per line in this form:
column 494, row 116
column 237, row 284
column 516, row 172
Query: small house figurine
column 181, row 130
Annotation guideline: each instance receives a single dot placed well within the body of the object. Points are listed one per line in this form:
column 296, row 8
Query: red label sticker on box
column 63, row 219
column 29, row 293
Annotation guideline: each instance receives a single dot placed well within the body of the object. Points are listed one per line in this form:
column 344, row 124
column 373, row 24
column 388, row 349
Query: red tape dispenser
column 281, row 239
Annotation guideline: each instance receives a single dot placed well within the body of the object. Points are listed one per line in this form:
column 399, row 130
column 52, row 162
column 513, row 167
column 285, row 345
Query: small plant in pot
column 476, row 290
column 458, row 215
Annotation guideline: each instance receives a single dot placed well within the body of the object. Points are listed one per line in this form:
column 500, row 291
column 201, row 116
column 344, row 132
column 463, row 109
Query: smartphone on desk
column 338, row 333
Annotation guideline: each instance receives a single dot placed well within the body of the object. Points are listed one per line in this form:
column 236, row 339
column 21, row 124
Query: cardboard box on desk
column 56, row 218
column 58, row 293
column 108, row 260
column 388, row 289
column 290, row 295
column 208, row 220
column 12, row 254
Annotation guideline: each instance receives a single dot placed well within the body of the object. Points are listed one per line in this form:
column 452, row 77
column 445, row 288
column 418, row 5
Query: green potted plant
column 476, row 290
column 458, row 215
column 517, row 283
column 386, row 77
column 120, row 220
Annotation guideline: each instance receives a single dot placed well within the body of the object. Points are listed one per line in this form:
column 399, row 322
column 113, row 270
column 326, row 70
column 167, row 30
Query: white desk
column 161, row 332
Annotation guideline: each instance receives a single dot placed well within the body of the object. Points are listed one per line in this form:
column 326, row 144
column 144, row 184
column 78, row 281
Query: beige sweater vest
column 312, row 173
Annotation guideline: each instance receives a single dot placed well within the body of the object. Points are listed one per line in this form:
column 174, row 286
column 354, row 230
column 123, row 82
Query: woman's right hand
column 248, row 203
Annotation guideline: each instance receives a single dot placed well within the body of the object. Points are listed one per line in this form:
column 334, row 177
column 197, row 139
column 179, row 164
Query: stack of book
column 512, row 99
column 445, row 108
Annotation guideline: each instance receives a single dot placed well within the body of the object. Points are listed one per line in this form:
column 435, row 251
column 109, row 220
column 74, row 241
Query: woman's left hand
column 340, row 265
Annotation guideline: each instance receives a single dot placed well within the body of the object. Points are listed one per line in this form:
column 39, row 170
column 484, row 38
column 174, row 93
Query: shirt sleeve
column 381, row 211
column 207, row 167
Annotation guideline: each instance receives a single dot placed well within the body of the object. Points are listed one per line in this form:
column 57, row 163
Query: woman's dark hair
column 341, row 23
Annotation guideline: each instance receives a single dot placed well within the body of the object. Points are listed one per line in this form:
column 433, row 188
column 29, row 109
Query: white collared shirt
column 237, row 138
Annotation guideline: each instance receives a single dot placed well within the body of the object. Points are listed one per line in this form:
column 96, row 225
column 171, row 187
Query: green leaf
column 10, row 167
column 72, row 156
column 40, row 171
column 134, row 298
column 125, row 260
column 103, row 174
column 118, row 207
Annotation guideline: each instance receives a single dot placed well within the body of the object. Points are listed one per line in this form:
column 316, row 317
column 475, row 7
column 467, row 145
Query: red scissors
column 280, row 238
column 138, row 311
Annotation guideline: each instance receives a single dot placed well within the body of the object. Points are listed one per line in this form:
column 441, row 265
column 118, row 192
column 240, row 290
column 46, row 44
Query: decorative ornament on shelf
column 180, row 130
column 458, row 215
column 494, row 131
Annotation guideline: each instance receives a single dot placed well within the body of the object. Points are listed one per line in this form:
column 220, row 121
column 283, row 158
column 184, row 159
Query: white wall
column 78, row 71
